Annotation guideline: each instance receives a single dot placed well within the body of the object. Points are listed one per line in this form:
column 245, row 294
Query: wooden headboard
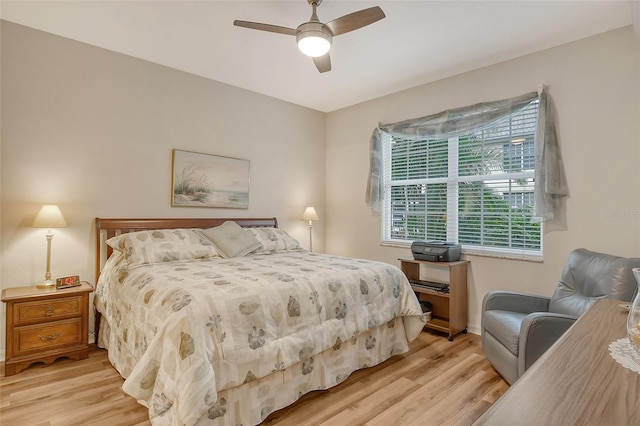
column 107, row 228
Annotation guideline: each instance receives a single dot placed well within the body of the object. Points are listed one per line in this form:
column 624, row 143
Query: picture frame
column 207, row 180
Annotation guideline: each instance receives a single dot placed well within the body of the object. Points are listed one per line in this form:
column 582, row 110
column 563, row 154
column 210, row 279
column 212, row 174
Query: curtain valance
column 550, row 181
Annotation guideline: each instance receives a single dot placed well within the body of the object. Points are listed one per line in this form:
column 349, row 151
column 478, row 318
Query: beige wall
column 595, row 84
column 93, row 131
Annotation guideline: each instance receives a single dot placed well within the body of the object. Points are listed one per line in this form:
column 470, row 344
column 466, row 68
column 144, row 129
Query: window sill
column 527, row 257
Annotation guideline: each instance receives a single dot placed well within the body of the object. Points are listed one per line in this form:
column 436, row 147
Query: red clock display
column 70, row 281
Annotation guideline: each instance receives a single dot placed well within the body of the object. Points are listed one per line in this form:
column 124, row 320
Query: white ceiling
column 417, row 42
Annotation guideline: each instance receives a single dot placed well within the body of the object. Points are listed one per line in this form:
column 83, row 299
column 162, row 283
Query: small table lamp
column 310, row 215
column 49, row 217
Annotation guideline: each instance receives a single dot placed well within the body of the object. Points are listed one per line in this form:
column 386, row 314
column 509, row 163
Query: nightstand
column 44, row 325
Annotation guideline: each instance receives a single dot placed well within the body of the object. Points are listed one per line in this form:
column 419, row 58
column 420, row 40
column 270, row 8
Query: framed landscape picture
column 203, row 180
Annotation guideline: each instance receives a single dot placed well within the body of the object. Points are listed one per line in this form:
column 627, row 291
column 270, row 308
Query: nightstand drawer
column 47, row 336
column 48, row 310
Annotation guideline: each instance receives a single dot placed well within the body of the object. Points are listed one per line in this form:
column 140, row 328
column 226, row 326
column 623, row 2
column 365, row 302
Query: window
column 475, row 189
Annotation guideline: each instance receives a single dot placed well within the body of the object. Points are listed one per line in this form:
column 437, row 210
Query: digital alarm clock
column 66, row 282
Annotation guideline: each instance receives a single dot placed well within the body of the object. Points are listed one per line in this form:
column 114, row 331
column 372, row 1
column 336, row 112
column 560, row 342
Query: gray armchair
column 518, row 328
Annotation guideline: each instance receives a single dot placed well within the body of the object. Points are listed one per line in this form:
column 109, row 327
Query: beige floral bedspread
column 182, row 332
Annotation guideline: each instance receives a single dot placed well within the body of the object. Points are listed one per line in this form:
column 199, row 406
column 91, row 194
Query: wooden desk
column 576, row 382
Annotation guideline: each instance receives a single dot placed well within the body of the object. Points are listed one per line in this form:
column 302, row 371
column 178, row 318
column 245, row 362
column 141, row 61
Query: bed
column 209, row 327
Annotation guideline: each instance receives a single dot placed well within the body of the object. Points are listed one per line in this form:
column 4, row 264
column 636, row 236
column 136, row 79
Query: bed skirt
column 253, row 401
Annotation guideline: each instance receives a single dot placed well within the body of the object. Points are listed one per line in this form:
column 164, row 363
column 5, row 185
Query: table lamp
column 49, row 217
column 310, row 215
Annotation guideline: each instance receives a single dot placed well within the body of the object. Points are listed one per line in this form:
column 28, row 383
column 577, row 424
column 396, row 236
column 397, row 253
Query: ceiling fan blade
column 323, row 63
column 355, row 20
column 265, row 27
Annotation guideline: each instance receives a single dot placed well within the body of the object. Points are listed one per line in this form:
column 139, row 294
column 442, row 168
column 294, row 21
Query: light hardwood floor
column 436, row 382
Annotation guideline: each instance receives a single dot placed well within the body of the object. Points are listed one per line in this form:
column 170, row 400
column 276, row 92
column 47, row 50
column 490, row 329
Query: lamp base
column 47, row 285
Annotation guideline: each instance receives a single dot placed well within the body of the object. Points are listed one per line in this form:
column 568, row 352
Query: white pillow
column 231, row 240
column 162, row 245
column 273, row 240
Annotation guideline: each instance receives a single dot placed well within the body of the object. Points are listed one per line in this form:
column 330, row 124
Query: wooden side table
column 449, row 309
column 44, row 325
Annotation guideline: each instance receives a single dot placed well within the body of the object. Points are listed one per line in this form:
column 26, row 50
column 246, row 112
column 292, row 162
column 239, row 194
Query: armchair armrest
column 538, row 332
column 515, row 302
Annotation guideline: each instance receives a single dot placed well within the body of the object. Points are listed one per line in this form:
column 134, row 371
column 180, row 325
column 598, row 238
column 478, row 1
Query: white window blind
column 475, row 189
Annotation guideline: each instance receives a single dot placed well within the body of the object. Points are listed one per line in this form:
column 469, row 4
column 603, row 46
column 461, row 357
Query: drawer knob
column 50, row 311
column 50, row 337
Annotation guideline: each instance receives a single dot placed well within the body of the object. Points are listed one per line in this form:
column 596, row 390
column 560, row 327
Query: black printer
column 436, row 251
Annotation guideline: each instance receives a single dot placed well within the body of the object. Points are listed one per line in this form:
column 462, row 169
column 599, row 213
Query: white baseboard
column 473, row 329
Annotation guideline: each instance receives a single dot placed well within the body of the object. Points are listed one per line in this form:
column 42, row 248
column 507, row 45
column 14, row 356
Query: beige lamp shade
column 49, row 216
column 310, row 214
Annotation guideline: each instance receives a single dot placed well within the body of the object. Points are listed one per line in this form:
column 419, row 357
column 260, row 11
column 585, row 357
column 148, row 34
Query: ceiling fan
column 314, row 38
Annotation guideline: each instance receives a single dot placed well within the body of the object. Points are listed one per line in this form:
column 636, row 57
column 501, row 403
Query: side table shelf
column 450, row 309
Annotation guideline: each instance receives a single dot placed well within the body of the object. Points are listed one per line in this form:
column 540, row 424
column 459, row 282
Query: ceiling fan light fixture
column 313, row 39
column 314, row 45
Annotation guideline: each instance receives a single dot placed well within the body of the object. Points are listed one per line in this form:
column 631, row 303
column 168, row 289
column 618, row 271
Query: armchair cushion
column 589, row 276
column 505, row 327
